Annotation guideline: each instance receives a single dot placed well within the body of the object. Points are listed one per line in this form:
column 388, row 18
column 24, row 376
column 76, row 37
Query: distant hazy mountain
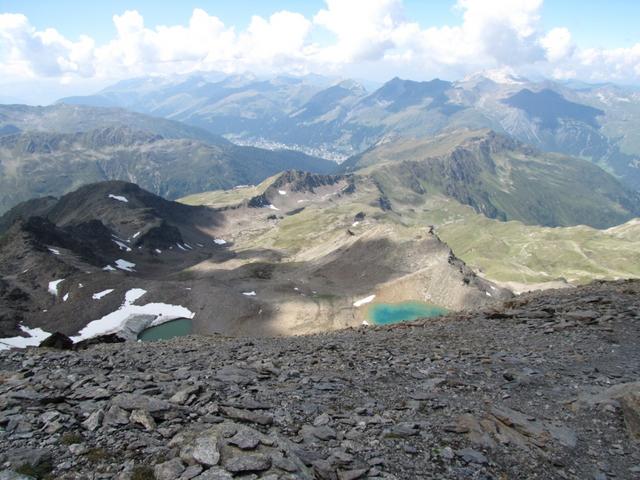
column 594, row 122
column 64, row 118
column 166, row 157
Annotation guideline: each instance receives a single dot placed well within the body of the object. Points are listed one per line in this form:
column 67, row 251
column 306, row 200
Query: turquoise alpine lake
column 388, row 313
column 170, row 329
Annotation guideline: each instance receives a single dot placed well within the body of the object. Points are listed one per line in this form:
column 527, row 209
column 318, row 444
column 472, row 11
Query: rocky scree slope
column 81, row 238
column 544, row 387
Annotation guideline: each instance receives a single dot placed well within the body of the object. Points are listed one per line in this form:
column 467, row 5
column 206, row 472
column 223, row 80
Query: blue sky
column 54, row 48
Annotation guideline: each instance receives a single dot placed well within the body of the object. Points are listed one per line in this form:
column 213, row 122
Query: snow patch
column 122, row 246
column 117, row 320
column 364, row 301
column 272, row 207
column 55, row 251
column 252, row 293
column 181, row 247
column 53, row 286
column 103, row 293
column 109, row 268
column 133, row 295
column 219, row 241
column 124, row 265
column 282, row 192
column 36, row 336
column 136, row 235
column 158, row 251
column 120, row 198
column 66, row 297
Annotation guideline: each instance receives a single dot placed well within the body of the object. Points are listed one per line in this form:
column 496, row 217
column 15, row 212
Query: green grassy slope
column 500, row 178
column 515, row 252
column 501, row 251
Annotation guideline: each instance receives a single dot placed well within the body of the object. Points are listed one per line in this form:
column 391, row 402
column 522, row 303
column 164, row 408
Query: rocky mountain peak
column 118, row 135
column 489, row 142
column 299, row 181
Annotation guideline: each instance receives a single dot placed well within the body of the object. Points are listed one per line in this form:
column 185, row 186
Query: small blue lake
column 170, row 329
column 388, row 313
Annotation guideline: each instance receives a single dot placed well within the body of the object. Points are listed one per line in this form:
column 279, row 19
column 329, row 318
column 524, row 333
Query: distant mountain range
column 53, row 150
column 49, row 151
column 593, row 122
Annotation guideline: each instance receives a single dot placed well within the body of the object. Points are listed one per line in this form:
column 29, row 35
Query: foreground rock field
column 546, row 386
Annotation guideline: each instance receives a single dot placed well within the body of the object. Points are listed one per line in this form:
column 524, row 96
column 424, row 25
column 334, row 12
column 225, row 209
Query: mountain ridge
column 35, row 162
column 499, row 177
column 591, row 122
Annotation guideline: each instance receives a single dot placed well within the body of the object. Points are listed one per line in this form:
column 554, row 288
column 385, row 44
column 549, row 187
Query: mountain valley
column 344, row 119
column 238, row 269
column 54, row 150
column 304, row 253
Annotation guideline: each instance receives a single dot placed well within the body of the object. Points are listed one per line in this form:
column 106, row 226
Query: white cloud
column 557, row 44
column 364, row 29
column 26, row 52
column 618, row 64
column 365, row 36
column 204, row 43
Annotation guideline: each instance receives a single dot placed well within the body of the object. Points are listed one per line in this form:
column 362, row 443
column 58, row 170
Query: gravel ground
column 545, row 386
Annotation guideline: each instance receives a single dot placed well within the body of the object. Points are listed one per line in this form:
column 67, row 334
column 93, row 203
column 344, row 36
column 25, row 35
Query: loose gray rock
column 352, row 474
column 247, row 416
column 116, row 416
column 170, row 470
column 205, row 450
column 214, row 473
column 143, row 418
column 130, row 402
column 472, row 456
column 248, row 463
column 245, row 439
column 94, row 421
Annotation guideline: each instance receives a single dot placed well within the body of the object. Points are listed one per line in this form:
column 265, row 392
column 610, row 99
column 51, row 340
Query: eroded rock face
column 546, row 383
column 58, row 341
column 630, row 404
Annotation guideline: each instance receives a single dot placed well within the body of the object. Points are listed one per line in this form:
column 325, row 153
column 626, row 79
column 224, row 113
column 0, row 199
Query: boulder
column 57, row 340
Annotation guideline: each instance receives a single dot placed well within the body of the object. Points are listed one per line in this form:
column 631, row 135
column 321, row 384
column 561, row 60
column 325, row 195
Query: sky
column 52, row 49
